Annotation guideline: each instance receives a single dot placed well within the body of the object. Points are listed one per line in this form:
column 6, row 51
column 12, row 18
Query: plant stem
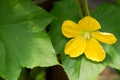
column 85, row 7
column 81, row 14
column 87, row 12
column 80, row 8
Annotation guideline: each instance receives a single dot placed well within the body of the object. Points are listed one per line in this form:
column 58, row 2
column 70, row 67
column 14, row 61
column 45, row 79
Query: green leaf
column 76, row 68
column 81, row 68
column 109, row 18
column 23, row 39
column 65, row 9
column 118, row 2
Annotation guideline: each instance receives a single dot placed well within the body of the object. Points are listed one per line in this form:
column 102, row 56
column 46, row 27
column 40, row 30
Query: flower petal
column 70, row 29
column 89, row 24
column 104, row 37
column 94, row 50
column 75, row 47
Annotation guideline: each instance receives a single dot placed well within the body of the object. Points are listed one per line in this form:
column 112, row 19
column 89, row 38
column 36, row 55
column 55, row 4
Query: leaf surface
column 109, row 18
column 23, row 39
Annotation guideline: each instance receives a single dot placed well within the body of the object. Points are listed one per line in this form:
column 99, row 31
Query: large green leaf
column 23, row 40
column 81, row 68
column 76, row 68
column 109, row 17
column 118, row 2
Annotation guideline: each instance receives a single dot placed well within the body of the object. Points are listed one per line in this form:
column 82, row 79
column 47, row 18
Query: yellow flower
column 84, row 39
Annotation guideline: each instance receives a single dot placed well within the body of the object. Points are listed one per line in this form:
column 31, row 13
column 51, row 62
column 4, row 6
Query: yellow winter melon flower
column 84, row 39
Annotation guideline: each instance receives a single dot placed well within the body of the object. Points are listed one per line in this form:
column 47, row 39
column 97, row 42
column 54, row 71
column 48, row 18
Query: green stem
column 81, row 14
column 85, row 7
column 87, row 12
column 80, row 9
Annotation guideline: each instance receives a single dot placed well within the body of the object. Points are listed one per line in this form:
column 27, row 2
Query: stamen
column 87, row 35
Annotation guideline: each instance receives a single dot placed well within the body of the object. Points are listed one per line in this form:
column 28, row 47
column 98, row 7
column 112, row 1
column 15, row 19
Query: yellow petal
column 89, row 24
column 104, row 37
column 94, row 50
column 70, row 29
column 75, row 47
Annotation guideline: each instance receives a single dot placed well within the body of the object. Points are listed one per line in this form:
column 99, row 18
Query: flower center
column 87, row 35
